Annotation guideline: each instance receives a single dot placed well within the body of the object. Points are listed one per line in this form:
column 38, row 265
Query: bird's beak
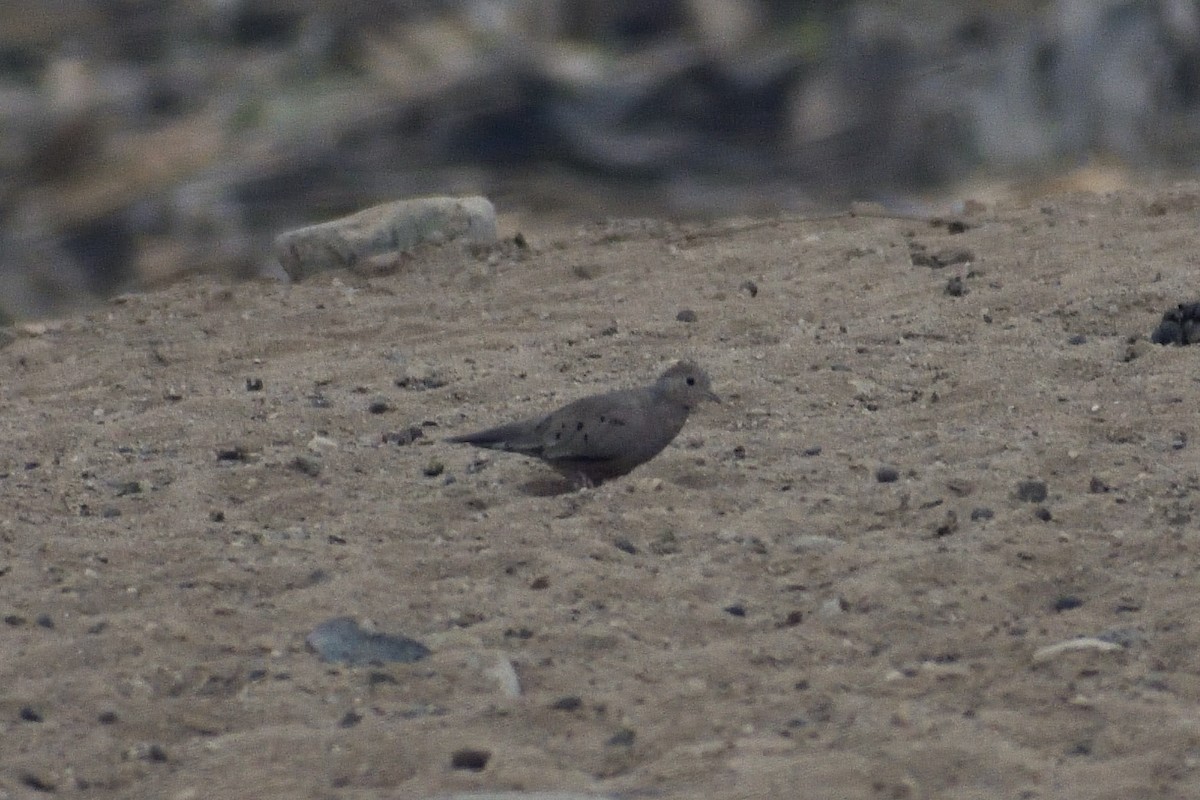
column 712, row 396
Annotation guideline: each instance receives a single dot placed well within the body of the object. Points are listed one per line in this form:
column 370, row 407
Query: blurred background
column 142, row 140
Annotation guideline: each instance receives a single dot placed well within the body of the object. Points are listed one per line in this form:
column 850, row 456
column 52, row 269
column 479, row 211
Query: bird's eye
column 691, row 381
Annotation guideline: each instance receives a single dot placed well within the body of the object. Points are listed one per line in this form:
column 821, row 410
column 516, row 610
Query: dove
column 606, row 435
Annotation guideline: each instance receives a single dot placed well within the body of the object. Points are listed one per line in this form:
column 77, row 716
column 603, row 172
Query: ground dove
column 606, row 435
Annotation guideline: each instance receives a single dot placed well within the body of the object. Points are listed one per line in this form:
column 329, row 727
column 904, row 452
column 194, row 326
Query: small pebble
column 568, row 703
column 505, row 675
column 405, row 437
column 1082, row 644
column 833, row 607
column 793, row 619
column 1031, row 491
column 470, row 759
column 981, row 513
column 1067, row 602
column 38, row 783
column 886, row 474
column 626, row 546
column 306, row 465
column 686, row 315
column 622, row 738
column 750, row 288
column 948, row 526
column 587, row 271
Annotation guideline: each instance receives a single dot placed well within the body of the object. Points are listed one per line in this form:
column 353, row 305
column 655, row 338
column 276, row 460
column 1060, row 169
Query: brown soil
column 752, row 614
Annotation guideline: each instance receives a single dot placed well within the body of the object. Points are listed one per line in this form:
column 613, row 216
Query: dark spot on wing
column 579, row 426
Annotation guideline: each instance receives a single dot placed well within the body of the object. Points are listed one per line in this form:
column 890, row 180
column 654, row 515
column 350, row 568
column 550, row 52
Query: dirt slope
column 752, row 614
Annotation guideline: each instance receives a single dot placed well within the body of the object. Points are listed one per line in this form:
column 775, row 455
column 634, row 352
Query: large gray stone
column 384, row 231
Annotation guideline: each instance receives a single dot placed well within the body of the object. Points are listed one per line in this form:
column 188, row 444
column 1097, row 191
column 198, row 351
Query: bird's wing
column 598, row 428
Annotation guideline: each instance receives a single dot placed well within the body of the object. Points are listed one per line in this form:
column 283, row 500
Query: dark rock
column 341, row 639
column 231, row 454
column 1179, row 326
column 886, row 474
column 568, row 703
column 1031, row 491
column 38, row 783
column 470, row 759
column 1067, row 602
column 622, row 738
column 626, row 546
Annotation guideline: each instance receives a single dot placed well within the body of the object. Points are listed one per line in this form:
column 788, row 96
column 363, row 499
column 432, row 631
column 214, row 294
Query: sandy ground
column 752, row 614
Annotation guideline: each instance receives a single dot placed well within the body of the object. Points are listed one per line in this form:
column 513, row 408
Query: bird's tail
column 503, row 437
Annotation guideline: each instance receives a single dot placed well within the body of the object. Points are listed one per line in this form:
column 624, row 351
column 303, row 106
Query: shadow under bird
column 605, row 436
